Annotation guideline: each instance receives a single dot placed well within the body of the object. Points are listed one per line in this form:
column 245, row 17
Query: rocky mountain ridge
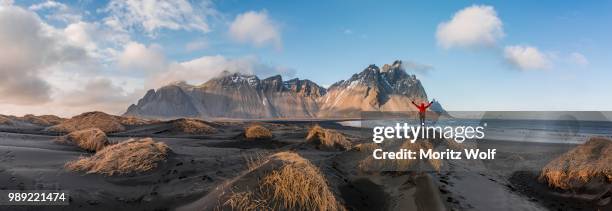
column 237, row 95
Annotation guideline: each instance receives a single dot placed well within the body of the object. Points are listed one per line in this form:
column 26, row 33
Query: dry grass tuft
column 366, row 147
column 246, row 201
column 95, row 119
column 44, row 120
column 327, row 139
column 257, row 132
column 5, row 120
column 192, row 126
column 92, row 139
column 590, row 162
column 134, row 121
column 131, row 156
column 295, row 185
column 255, row 160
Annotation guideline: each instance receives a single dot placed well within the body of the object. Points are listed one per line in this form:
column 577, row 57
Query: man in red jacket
column 422, row 109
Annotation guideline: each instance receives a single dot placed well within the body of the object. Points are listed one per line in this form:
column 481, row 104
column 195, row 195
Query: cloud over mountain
column 137, row 56
column 29, row 47
column 256, row 28
column 46, row 67
column 206, row 67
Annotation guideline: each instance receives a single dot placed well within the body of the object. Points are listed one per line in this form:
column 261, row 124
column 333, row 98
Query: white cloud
column 47, row 69
column 136, row 56
column 154, row 15
column 44, row 69
column 29, row 47
column 474, row 26
column 196, row 45
column 58, row 11
column 526, row 57
column 423, row 69
column 48, row 5
column 202, row 69
column 101, row 42
column 256, row 28
column 99, row 93
column 6, row 2
column 80, row 34
column 76, row 93
column 579, row 59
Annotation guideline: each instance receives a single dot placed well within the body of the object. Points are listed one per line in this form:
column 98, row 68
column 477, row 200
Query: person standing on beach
column 422, row 109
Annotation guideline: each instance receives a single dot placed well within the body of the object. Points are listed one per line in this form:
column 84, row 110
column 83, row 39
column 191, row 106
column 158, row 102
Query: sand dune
column 131, row 156
column 257, row 132
column 588, row 166
column 43, row 120
column 327, row 139
column 105, row 122
column 5, row 120
column 191, row 126
column 135, row 121
column 91, row 139
column 293, row 184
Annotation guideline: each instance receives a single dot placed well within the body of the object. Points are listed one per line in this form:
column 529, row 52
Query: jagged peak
column 372, row 67
column 396, row 65
column 182, row 84
column 150, row 91
column 293, row 79
column 178, row 83
column 224, row 73
column 229, row 78
column 274, row 78
column 228, row 74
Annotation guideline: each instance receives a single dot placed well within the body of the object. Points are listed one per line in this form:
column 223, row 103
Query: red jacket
column 422, row 107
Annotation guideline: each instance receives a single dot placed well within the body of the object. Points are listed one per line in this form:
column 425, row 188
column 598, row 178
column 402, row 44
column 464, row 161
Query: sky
column 68, row 57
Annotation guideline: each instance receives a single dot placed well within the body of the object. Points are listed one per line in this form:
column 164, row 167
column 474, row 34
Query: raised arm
column 414, row 104
column 429, row 104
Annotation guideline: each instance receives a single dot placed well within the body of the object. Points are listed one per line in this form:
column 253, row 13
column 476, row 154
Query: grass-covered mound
column 91, row 139
column 43, row 120
column 257, row 132
column 5, row 120
column 366, row 147
column 95, row 119
column 327, row 139
column 135, row 121
column 295, row 184
column 588, row 166
column 131, row 156
column 192, row 126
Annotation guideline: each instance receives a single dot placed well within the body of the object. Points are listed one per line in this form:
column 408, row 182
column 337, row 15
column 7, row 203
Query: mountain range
column 237, row 95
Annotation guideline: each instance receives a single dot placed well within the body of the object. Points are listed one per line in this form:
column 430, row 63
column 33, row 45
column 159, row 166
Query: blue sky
column 549, row 55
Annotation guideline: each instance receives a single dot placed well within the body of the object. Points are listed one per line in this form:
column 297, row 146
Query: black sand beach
column 200, row 166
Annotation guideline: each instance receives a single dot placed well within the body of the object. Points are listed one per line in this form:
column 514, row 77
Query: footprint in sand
column 206, row 177
column 8, row 157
